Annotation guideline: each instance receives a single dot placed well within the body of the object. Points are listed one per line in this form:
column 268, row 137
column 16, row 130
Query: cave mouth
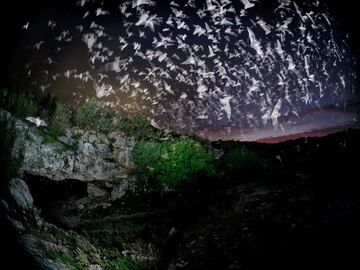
column 50, row 195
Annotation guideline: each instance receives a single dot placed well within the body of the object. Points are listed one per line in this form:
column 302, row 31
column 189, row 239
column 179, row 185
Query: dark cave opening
column 50, row 195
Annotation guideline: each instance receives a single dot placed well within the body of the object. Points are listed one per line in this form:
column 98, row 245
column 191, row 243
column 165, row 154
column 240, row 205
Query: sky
column 223, row 69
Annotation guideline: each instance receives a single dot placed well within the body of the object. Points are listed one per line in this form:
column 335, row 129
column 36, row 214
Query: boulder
column 95, row 191
column 21, row 194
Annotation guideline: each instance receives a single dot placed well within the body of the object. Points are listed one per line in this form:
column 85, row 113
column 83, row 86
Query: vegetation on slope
column 242, row 161
column 164, row 160
column 91, row 115
column 173, row 161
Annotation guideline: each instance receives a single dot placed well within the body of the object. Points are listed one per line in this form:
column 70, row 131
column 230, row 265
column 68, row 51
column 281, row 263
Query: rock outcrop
column 87, row 156
column 21, row 193
column 52, row 174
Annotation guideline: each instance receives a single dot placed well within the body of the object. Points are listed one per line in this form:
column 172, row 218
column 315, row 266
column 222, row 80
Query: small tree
column 19, row 104
column 174, row 161
column 241, row 160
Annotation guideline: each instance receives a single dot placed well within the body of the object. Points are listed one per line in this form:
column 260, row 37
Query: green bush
column 174, row 161
column 240, row 160
column 138, row 127
column 45, row 102
column 60, row 120
column 93, row 115
column 62, row 113
column 18, row 104
column 125, row 263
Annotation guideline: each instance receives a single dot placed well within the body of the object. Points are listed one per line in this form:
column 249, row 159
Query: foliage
column 9, row 165
column 138, row 127
column 47, row 138
column 18, row 104
column 241, row 160
column 67, row 147
column 93, row 115
column 125, row 263
column 111, row 144
column 60, row 120
column 56, row 129
column 146, row 154
column 64, row 256
column 174, row 161
column 46, row 103
column 62, row 113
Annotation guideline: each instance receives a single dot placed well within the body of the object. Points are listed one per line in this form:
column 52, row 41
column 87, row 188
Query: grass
column 94, row 115
column 67, row 258
column 77, row 257
column 18, row 104
column 60, row 120
column 47, row 138
column 38, row 104
column 91, row 115
column 76, row 136
column 111, row 144
column 125, row 263
column 67, row 147
column 138, row 127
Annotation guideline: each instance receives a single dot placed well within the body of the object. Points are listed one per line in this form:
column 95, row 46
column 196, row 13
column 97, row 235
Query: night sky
column 226, row 69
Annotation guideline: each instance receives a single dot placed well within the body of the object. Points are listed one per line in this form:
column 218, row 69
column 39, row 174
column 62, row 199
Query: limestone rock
column 81, row 155
column 120, row 190
column 21, row 193
column 95, row 192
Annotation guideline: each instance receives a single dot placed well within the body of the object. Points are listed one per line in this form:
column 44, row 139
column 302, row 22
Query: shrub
column 60, row 120
column 18, row 104
column 126, row 263
column 56, row 129
column 174, row 161
column 138, row 127
column 45, row 102
column 145, row 156
column 62, row 113
column 93, row 115
column 241, row 160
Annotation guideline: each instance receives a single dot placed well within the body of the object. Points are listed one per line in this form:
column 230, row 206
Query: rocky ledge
column 102, row 161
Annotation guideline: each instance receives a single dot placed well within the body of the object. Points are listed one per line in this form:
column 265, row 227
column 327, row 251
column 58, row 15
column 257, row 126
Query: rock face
column 120, row 190
column 87, row 156
column 21, row 193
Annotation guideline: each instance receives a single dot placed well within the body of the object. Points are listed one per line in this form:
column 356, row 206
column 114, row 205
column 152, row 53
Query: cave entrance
column 50, row 195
